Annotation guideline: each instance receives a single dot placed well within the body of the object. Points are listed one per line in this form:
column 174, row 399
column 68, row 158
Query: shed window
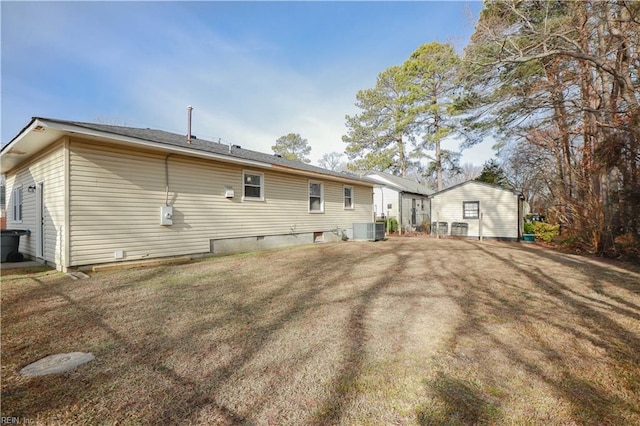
column 253, row 186
column 17, row 204
column 348, row 197
column 471, row 209
column 316, row 201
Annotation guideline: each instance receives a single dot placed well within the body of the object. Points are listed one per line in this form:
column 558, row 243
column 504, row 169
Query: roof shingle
column 176, row 140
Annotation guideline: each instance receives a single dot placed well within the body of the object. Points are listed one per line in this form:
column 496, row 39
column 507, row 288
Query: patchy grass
column 406, row 331
column 28, row 270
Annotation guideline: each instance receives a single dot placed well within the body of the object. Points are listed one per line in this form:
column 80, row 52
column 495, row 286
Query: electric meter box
column 166, row 215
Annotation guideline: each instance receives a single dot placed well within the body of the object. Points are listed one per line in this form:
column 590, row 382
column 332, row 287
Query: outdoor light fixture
column 32, row 188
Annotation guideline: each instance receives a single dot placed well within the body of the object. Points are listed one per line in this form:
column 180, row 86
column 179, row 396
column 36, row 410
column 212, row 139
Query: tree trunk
column 439, row 166
column 401, row 156
column 554, row 77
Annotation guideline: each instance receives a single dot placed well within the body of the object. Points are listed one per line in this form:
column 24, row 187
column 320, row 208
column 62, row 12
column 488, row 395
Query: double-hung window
column 316, row 201
column 17, row 204
column 252, row 186
column 471, row 209
column 348, row 197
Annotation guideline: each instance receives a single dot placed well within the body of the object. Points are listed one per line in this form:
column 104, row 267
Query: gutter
column 320, row 175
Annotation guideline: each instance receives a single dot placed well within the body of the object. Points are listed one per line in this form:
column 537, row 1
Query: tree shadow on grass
column 344, row 387
column 570, row 312
column 261, row 313
column 459, row 402
column 183, row 397
column 621, row 276
column 29, row 397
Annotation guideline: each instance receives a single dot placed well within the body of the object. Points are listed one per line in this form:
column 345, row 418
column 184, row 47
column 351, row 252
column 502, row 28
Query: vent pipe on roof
column 189, row 109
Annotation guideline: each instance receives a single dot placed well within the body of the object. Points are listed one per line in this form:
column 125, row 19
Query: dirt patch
column 403, row 331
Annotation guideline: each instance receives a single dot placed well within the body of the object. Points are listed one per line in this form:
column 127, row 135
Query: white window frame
column 250, row 172
column 17, row 205
column 464, row 210
column 321, row 197
column 344, row 198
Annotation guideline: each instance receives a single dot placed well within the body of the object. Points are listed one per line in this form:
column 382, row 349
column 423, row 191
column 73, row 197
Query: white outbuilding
column 478, row 210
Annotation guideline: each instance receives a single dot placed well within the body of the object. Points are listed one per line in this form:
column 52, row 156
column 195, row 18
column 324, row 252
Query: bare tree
column 333, row 161
column 559, row 80
column 468, row 171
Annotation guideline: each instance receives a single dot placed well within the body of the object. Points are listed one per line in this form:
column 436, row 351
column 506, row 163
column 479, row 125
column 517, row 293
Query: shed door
column 413, row 211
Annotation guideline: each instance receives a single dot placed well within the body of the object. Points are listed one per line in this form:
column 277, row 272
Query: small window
column 316, row 202
column 470, row 209
column 17, row 204
column 348, row 197
column 253, row 186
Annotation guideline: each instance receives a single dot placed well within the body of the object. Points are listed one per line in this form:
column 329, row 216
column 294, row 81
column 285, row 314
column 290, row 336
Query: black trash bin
column 10, row 241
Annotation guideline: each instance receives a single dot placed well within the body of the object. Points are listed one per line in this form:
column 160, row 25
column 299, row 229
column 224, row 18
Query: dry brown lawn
column 405, row 331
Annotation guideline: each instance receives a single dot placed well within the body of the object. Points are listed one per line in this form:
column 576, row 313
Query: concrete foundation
column 248, row 244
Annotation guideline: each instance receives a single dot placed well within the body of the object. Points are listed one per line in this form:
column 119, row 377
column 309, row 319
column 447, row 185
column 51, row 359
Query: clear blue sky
column 253, row 71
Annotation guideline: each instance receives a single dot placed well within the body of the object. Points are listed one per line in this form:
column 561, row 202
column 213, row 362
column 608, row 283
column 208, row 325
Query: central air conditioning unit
column 373, row 231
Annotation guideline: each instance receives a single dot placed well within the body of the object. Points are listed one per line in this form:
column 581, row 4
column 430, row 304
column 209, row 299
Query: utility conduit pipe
column 166, row 178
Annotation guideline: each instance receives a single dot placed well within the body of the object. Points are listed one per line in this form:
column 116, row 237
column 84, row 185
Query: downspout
column 382, row 210
column 400, row 212
column 430, row 214
column 66, row 250
column 520, row 218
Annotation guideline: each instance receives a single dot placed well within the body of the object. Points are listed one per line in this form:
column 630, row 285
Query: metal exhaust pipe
column 189, row 109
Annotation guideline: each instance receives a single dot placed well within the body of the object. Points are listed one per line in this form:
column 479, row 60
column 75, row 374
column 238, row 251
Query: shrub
column 545, row 231
column 569, row 241
column 528, row 228
column 426, row 226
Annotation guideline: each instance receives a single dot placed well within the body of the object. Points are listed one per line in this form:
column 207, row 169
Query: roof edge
column 22, row 133
column 513, row 191
column 77, row 128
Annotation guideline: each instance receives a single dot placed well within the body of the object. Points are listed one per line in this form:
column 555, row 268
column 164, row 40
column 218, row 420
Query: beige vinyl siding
column 498, row 207
column 116, row 195
column 48, row 168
